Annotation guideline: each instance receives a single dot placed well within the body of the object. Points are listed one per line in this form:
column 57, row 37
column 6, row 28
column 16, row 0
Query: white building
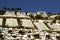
column 10, row 13
column 32, row 13
column 40, row 25
column 43, row 13
column 22, row 14
column 11, row 21
column 27, row 23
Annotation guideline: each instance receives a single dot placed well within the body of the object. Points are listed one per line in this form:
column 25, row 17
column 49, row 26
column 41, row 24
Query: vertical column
column 4, row 20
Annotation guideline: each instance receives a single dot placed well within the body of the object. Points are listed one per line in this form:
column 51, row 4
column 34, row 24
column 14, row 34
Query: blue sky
column 52, row 6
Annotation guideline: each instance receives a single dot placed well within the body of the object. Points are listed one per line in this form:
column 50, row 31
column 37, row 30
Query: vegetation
column 48, row 36
column 14, row 36
column 19, row 23
column 57, row 17
column 45, row 18
column 29, row 36
column 2, row 12
column 31, row 16
column 1, row 35
column 54, row 21
column 9, row 31
column 38, row 17
column 49, row 14
column 21, row 32
column 11, row 9
column 36, row 35
column 58, row 13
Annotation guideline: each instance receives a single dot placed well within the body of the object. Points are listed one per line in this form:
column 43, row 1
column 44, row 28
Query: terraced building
column 21, row 26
